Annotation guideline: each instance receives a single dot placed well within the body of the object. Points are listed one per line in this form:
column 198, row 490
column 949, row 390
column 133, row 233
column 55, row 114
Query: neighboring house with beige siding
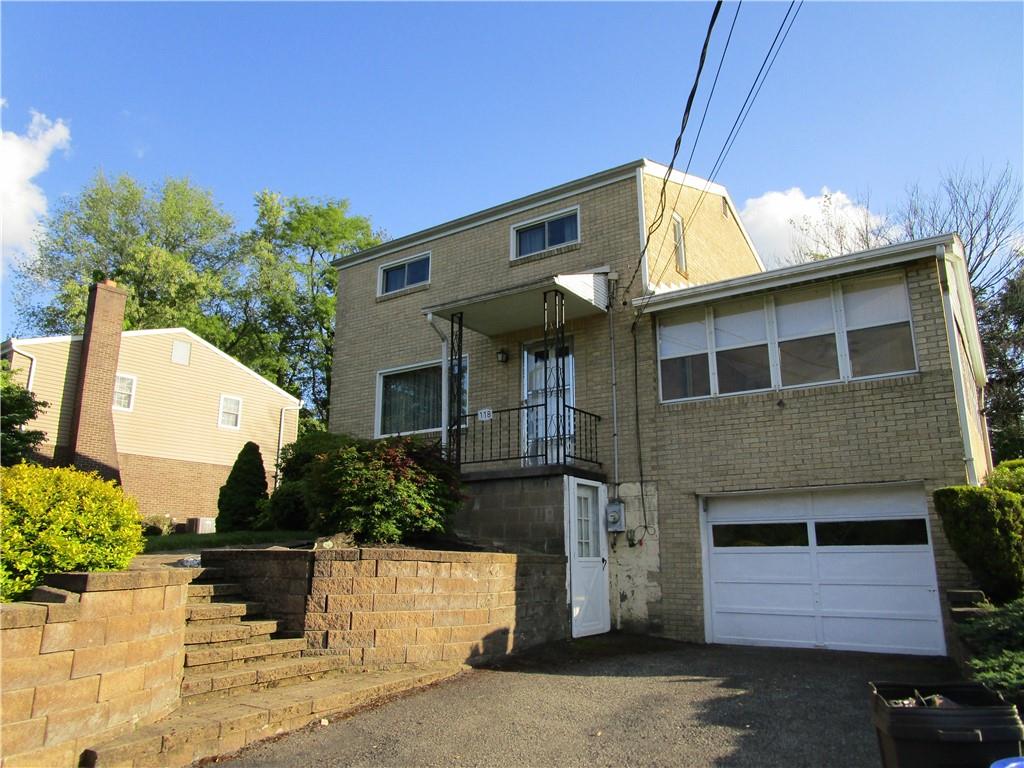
column 724, row 453
column 180, row 410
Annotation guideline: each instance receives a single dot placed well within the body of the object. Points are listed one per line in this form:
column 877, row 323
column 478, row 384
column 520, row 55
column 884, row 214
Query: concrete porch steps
column 222, row 727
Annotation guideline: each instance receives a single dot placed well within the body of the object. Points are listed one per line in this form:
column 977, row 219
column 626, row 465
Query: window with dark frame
column 534, row 238
column 406, row 275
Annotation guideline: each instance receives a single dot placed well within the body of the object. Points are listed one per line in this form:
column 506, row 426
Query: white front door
column 849, row 569
column 587, row 544
column 543, row 398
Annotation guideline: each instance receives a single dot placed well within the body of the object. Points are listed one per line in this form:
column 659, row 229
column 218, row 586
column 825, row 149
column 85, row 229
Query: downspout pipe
column 954, row 358
column 280, row 441
column 613, row 284
column 444, row 376
column 31, row 364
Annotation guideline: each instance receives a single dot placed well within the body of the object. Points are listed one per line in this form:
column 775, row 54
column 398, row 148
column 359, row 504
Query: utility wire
column 707, row 107
column 748, row 103
column 659, row 215
column 741, row 117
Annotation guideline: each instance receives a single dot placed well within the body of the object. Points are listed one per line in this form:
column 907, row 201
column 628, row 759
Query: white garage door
column 845, row 569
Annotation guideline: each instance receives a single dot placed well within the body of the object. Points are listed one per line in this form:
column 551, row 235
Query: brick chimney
column 93, row 447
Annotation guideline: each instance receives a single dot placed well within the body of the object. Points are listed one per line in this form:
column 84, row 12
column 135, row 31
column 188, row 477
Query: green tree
column 171, row 247
column 18, row 406
column 301, row 237
column 244, row 489
column 1001, row 320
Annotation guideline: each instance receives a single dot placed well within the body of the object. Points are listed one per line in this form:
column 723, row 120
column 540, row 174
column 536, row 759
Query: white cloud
column 772, row 220
column 22, row 158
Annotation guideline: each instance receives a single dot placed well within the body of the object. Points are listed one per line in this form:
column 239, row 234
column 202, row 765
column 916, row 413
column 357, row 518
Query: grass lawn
column 196, row 541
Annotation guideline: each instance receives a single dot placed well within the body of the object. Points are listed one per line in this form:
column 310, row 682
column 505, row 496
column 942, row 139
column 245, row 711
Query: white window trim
column 379, row 396
column 399, row 262
column 680, row 245
column 514, row 228
column 771, row 331
column 220, row 412
column 135, row 385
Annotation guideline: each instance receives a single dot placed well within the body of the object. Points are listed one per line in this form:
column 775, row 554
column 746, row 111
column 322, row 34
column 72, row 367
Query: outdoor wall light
column 502, row 356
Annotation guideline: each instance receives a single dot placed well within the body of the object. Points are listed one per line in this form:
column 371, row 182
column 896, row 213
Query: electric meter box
column 615, row 514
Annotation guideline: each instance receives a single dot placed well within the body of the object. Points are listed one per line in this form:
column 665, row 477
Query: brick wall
column 77, row 672
column 515, row 514
column 903, row 428
column 92, row 424
column 180, row 489
column 395, row 606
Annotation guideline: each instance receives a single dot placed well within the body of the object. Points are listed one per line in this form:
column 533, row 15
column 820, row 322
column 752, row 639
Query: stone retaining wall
column 106, row 656
column 395, row 606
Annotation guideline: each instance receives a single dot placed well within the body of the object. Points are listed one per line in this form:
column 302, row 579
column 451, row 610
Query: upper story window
column 536, row 236
column 824, row 333
column 181, row 352
column 677, row 242
column 124, row 392
column 230, row 412
column 404, row 274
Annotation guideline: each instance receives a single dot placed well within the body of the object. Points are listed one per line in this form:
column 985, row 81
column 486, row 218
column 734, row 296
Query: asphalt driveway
column 621, row 701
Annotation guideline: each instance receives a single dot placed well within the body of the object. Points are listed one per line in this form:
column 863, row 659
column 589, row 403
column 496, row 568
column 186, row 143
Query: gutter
column 31, row 364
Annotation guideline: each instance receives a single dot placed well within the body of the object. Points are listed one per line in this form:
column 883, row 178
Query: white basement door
column 847, row 569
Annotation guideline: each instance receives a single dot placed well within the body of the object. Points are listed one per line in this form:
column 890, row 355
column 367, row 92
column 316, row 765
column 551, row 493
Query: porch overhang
column 515, row 309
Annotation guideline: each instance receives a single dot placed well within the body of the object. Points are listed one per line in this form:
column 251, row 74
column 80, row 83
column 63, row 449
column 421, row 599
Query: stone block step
column 221, row 727
column 248, row 653
column 219, row 612
column 258, row 676
column 207, row 573
column 205, row 593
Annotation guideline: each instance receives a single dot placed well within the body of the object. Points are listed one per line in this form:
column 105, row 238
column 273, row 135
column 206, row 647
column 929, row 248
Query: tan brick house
column 163, row 411
column 786, row 427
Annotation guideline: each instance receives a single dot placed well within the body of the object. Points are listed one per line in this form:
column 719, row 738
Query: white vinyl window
column 124, row 392
column 409, row 399
column 878, row 333
column 806, row 329
column 539, row 235
column 404, row 274
column 181, row 352
column 677, row 242
column 824, row 333
column 230, row 412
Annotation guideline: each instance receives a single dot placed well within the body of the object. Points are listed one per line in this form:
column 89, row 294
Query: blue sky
column 419, row 113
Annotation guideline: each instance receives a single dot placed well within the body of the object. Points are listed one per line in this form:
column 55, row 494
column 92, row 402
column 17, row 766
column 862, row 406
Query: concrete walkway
column 622, row 701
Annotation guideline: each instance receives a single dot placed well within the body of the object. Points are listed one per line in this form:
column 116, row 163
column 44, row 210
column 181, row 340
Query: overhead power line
column 679, row 141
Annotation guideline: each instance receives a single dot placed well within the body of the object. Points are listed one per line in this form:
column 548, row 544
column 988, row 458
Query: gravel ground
column 621, row 701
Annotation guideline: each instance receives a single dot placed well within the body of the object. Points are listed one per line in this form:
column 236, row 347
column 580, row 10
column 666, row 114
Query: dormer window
column 551, row 232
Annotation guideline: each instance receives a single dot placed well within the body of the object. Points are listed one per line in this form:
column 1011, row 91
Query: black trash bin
column 974, row 729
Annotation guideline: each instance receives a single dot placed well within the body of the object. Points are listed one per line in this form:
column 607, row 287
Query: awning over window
column 516, row 309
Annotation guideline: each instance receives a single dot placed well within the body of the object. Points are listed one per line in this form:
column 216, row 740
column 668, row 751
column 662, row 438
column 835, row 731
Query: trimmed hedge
column 985, row 527
column 54, row 520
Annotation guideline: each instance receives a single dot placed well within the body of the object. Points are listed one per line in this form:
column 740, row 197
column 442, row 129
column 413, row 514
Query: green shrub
column 379, row 494
column 985, row 527
column 996, row 639
column 246, row 486
column 58, row 520
column 298, row 457
column 286, row 508
column 18, row 407
column 1009, row 476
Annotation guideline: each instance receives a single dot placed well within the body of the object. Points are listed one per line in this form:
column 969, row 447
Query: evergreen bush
column 54, row 520
column 241, row 494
